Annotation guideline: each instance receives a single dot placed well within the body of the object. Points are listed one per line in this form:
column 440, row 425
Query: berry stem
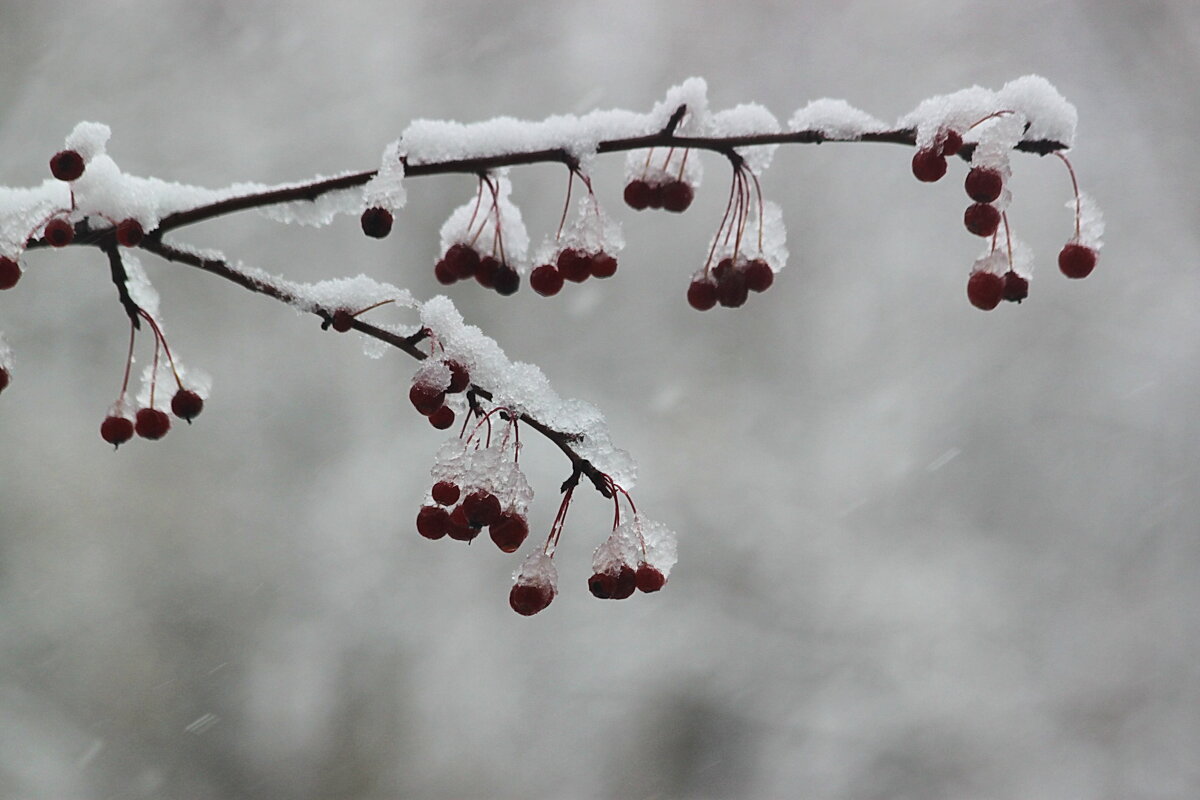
column 1075, row 189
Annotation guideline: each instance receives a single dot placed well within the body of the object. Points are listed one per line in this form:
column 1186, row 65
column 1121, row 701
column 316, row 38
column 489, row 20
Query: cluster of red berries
column 730, row 283
column 463, row 521
column 461, row 261
column 151, row 423
column 429, row 396
column 573, row 265
column 929, row 163
column 674, row 195
column 619, row 583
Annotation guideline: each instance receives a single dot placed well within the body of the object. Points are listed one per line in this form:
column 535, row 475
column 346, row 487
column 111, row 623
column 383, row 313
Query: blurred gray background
column 926, row 552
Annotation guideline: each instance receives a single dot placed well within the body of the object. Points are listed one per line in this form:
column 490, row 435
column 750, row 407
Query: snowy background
column 926, row 552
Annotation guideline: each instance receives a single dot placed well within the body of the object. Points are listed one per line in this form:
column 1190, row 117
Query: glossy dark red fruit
column 982, row 219
column 59, row 232
column 342, row 320
column 129, row 233
column 5, row 379
column 444, row 273
column 574, row 265
column 66, row 165
column 376, row 222
column 649, row 579
column 426, row 398
column 507, row 281
column 442, row 418
column 116, row 430
column 1076, row 260
column 460, row 378
column 1016, row 287
column 528, row 599
column 602, row 265
column 462, row 260
column 759, row 275
column 509, row 531
column 985, row 290
column 10, row 272
column 928, row 165
column 731, row 288
column 432, row 522
column 446, row 493
column 702, row 294
column 151, row 423
column 983, row 184
column 187, row 404
column 677, row 195
column 487, row 271
column 460, row 528
column 481, row 508
column 637, row 194
column 546, row 280
column 951, row 142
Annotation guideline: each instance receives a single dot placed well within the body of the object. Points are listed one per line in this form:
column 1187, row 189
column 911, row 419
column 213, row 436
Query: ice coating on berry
column 490, row 469
column 525, row 388
column 836, row 119
column 661, row 543
column 386, row 189
column 537, row 570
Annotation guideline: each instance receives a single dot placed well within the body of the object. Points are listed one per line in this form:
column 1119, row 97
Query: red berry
column 982, row 219
column 342, row 320
column 459, row 528
column 655, row 198
column 984, row 184
column 602, row 265
column 116, row 430
column 723, row 268
column 637, row 194
column 528, row 599
column 59, row 232
column 759, row 275
column 10, row 272
column 985, row 290
column 702, row 294
column 508, row 281
column 487, row 270
column 601, row 585
column 1076, row 260
column 442, row 418
column 376, row 222
column 677, row 196
column 951, row 142
column 649, row 579
column 546, row 280
column 186, row 404
column 152, row 423
column 928, row 165
column 574, row 265
column 731, row 289
column 508, row 531
column 462, row 260
column 444, row 273
column 129, row 233
column 432, row 522
column 460, row 379
column 426, row 398
column 481, row 508
column 4, row 379
column 445, row 493
column 1016, row 287
column 611, row 585
column 66, row 165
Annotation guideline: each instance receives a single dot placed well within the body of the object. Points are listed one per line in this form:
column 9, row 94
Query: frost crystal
column 1091, row 221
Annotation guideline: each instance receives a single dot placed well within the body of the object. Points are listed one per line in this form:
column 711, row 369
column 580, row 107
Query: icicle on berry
column 445, row 493
column 129, row 233
column 985, row 290
column 59, row 232
column 151, row 423
column 509, row 531
column 1076, row 260
column 546, row 280
column 649, row 579
column 984, row 184
column 66, row 165
column 702, row 294
column 186, row 404
column 1016, row 287
column 677, row 195
column 432, row 522
column 10, row 272
column 442, row 418
column 376, row 222
column 928, row 165
column 116, row 430
column 637, row 194
column 982, row 219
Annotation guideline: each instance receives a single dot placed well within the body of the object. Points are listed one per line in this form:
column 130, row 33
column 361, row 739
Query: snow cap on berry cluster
column 525, row 389
column 493, row 468
column 386, row 189
column 771, row 246
column 474, row 223
column 742, row 120
column 835, row 119
column 592, row 231
column 639, row 539
column 537, row 570
column 621, row 548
